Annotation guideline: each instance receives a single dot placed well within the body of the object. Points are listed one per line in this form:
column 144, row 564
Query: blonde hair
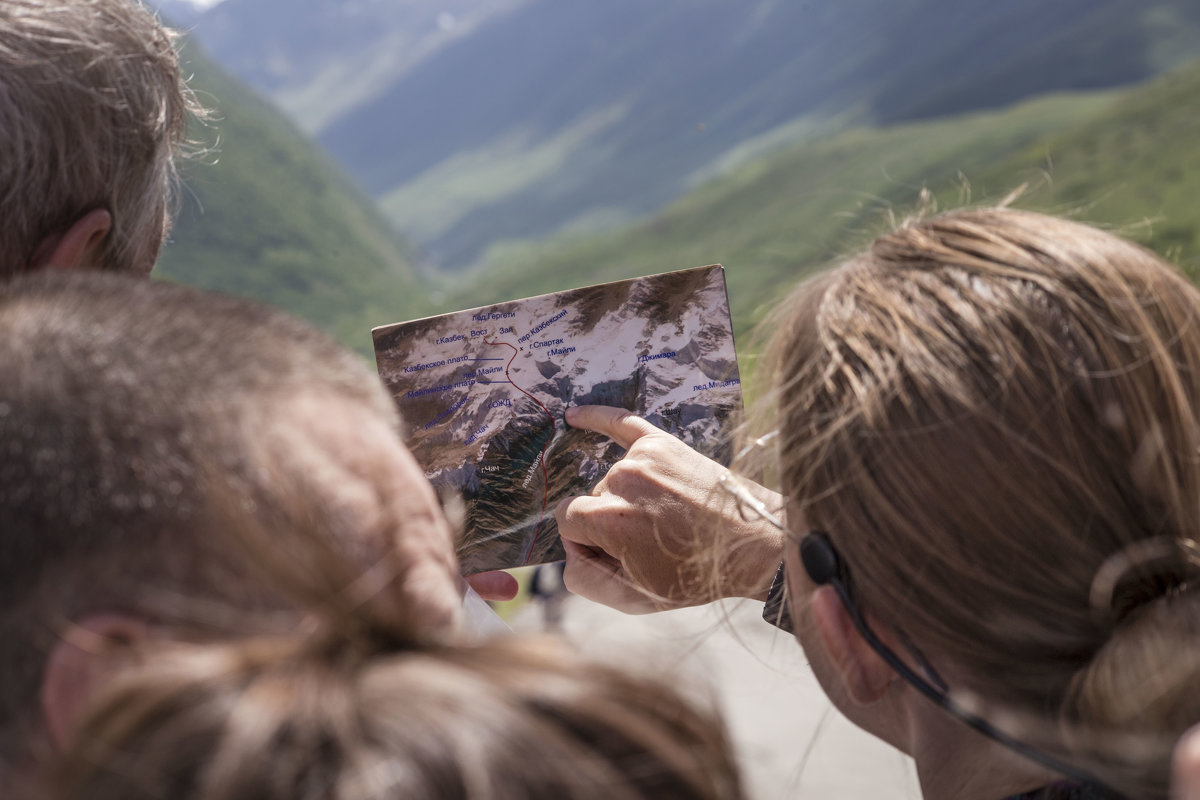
column 994, row 416
column 514, row 719
column 92, row 114
column 355, row 704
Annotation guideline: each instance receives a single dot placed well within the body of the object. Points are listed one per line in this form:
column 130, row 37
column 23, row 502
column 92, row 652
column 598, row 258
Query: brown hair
column 94, row 112
column 994, row 416
column 352, row 705
column 513, row 718
column 113, row 390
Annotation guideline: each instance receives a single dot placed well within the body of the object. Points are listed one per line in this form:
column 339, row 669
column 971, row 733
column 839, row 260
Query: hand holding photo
column 484, row 390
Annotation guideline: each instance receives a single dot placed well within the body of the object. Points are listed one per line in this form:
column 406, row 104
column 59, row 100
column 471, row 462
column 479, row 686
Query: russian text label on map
column 483, row 392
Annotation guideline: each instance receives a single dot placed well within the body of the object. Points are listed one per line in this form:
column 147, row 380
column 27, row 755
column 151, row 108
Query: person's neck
column 955, row 762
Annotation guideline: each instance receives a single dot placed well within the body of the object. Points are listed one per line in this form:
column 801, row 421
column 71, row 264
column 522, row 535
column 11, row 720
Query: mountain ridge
column 1127, row 158
column 553, row 115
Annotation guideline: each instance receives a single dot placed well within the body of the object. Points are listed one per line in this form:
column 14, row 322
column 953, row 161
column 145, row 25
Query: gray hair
column 93, row 112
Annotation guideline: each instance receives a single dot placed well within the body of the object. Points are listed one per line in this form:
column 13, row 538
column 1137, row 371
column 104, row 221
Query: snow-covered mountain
column 484, row 392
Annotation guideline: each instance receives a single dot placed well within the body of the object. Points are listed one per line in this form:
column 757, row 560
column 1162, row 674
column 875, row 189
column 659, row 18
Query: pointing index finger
column 623, row 427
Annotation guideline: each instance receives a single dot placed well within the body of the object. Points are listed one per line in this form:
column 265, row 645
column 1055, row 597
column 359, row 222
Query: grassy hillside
column 1136, row 166
column 571, row 116
column 266, row 215
column 1129, row 159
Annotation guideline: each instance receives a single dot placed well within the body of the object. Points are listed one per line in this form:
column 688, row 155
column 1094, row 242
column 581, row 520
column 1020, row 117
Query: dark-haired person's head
column 93, row 112
column 126, row 407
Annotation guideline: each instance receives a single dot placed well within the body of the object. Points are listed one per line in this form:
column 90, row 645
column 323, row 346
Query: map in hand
column 483, row 393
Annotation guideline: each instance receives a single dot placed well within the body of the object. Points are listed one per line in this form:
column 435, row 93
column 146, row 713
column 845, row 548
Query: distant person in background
column 137, row 418
column 986, row 430
column 547, row 590
column 93, row 113
column 353, row 703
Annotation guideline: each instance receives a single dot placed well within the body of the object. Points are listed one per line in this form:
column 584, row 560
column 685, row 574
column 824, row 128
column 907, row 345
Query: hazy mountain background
column 266, row 214
column 1127, row 159
column 521, row 146
column 479, row 121
column 179, row 12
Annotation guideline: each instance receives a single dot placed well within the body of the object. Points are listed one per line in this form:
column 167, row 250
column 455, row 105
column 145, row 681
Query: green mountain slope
column 579, row 116
column 1136, row 166
column 1119, row 158
column 266, row 215
column 475, row 122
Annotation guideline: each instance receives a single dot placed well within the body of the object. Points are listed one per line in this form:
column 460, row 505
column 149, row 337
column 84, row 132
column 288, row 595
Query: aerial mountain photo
column 483, row 392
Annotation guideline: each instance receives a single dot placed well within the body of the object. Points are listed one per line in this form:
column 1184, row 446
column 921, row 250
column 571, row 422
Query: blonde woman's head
column 994, row 416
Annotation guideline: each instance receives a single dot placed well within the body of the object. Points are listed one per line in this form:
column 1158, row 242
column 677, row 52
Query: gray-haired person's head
column 93, row 112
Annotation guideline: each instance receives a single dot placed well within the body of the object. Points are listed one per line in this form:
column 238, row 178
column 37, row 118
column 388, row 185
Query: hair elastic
column 1140, row 555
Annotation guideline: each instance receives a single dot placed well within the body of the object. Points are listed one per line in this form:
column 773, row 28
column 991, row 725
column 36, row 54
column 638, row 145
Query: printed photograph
column 483, row 393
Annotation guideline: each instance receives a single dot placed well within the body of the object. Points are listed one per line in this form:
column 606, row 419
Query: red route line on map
column 553, row 425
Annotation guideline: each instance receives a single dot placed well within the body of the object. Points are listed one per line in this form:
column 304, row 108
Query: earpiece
column 821, row 561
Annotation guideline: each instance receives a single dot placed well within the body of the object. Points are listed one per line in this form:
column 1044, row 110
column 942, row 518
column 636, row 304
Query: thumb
column 496, row 585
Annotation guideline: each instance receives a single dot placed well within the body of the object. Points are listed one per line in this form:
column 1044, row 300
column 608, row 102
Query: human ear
column 865, row 675
column 81, row 660
column 79, row 247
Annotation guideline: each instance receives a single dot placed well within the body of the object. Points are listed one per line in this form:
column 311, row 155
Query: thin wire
column 734, row 486
column 939, row 696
